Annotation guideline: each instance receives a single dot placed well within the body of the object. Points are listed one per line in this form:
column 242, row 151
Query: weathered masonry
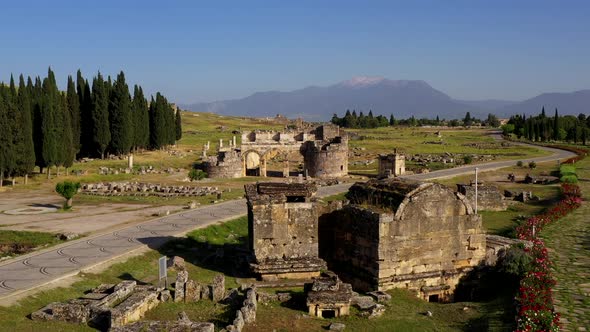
column 328, row 297
column 324, row 149
column 283, row 230
column 489, row 196
column 403, row 234
column 391, row 165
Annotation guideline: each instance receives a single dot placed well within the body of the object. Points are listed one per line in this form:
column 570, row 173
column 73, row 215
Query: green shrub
column 67, row 189
column 569, row 178
column 467, row 159
column 515, row 261
column 532, row 165
column 519, row 163
column 196, row 174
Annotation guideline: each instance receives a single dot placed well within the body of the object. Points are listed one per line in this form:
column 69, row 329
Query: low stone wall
column 145, row 189
column 246, row 314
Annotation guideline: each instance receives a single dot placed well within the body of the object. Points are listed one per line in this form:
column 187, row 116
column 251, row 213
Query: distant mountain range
column 402, row 98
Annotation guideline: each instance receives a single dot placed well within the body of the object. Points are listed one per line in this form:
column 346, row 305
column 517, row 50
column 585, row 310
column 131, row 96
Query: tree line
column 543, row 128
column 45, row 127
column 354, row 120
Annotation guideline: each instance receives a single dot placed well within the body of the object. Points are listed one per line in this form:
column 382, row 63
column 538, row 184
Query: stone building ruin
column 391, row 165
column 489, row 197
column 324, row 150
column 328, row 297
column 283, row 230
column 403, row 234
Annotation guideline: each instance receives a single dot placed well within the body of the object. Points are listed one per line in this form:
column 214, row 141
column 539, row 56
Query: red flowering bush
column 534, row 297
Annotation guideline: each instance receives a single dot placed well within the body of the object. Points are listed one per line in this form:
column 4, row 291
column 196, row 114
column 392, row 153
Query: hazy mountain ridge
column 402, row 98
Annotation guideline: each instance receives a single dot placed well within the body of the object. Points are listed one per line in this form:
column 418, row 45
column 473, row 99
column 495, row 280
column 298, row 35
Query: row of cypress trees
column 543, row 128
column 45, row 127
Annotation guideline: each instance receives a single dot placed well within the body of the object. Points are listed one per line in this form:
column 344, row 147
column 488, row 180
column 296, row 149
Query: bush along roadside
column 535, row 300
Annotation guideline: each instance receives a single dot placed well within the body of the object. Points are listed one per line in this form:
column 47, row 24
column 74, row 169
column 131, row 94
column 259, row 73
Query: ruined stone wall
column 489, row 196
column 227, row 165
column 426, row 243
column 326, row 159
column 283, row 232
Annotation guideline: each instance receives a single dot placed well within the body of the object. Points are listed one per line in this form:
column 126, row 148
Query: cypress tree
column 50, row 122
column 68, row 150
column 26, row 152
column 178, row 125
column 86, row 121
column 36, row 114
column 141, row 119
column 13, row 130
column 158, row 122
column 391, row 120
column 73, row 107
column 556, row 126
column 120, row 117
column 101, row 134
column 4, row 134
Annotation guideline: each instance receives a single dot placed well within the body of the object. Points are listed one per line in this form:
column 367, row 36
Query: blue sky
column 210, row 50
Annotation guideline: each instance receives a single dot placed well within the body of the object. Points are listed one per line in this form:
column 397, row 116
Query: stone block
column 133, row 308
column 179, row 291
column 218, row 288
column 192, row 291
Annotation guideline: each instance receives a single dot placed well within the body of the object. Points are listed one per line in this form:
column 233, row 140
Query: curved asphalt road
column 40, row 268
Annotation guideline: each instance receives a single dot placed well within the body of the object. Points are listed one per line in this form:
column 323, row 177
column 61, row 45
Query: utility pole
column 476, row 190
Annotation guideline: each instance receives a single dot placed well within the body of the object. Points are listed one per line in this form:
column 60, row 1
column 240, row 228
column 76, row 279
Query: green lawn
column 20, row 242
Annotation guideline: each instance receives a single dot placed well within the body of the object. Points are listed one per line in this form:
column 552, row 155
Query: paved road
column 25, row 273
column 452, row 172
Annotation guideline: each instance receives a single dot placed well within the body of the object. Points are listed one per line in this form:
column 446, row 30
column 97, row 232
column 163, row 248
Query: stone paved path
column 30, row 271
column 568, row 241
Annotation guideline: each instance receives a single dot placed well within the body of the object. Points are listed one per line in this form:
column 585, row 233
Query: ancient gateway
column 393, row 233
column 324, row 150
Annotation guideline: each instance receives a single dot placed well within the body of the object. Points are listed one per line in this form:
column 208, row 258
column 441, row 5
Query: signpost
column 163, row 271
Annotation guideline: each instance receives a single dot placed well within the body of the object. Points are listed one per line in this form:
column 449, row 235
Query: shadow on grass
column 231, row 259
column 494, row 291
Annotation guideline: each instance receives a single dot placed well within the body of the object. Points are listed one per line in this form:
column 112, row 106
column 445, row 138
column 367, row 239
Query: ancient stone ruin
column 105, row 306
column 324, row 150
column 227, row 164
column 145, row 189
column 328, row 297
column 283, row 230
column 489, row 197
column 121, row 307
column 391, row 165
column 403, row 234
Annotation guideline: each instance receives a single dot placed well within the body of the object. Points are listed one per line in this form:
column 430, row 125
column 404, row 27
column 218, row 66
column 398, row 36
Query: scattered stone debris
column 145, row 189
column 66, row 236
column 182, row 324
column 120, row 307
column 380, row 296
column 532, row 179
column 336, row 327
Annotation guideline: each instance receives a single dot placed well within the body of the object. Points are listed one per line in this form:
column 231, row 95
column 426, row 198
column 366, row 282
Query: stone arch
column 436, row 190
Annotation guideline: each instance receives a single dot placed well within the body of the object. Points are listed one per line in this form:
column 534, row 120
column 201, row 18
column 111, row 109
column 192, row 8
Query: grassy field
column 19, row 242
